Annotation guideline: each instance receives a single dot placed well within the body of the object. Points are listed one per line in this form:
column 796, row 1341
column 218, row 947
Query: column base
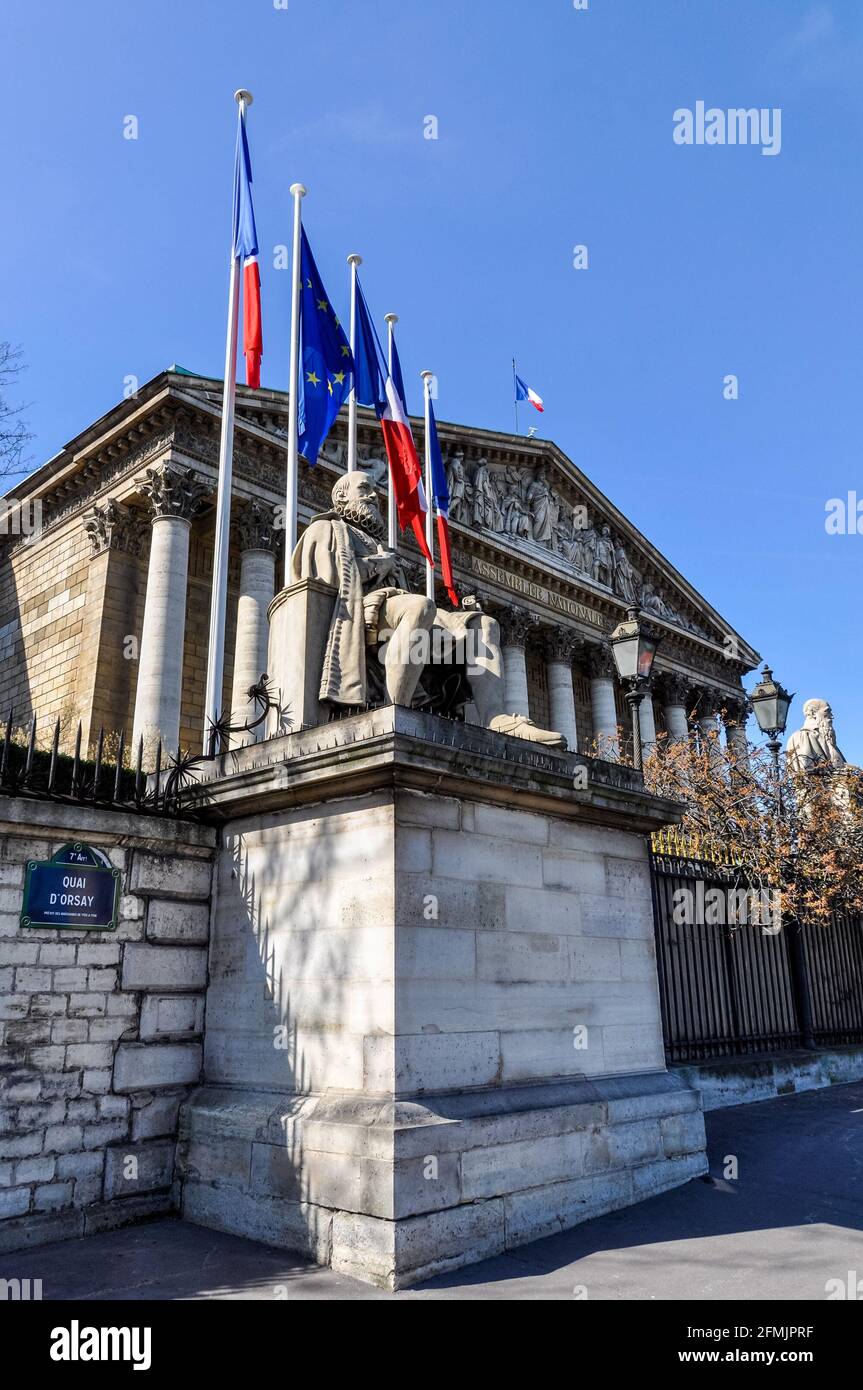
column 393, row 1193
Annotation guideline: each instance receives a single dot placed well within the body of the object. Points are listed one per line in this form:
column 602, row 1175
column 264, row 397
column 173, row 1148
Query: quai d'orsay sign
column 78, row 888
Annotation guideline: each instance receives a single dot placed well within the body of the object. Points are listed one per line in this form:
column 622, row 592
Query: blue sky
column 554, row 129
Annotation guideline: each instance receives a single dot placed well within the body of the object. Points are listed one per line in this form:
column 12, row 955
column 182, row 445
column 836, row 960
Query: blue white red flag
column 523, row 392
column 376, row 386
column 246, row 249
column 440, row 497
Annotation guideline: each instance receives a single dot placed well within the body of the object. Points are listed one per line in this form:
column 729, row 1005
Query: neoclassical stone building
column 106, row 605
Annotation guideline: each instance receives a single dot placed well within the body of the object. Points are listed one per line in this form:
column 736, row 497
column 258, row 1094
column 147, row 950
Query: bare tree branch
column 14, row 435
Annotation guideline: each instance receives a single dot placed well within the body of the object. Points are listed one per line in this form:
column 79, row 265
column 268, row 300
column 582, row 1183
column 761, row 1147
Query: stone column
column 734, row 718
column 675, row 692
column 561, row 645
column 105, row 679
column 603, row 708
column 515, row 624
column 175, row 495
column 647, row 721
column 256, row 536
column 708, row 723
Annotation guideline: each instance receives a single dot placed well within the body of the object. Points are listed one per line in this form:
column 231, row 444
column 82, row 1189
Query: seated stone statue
column 374, row 612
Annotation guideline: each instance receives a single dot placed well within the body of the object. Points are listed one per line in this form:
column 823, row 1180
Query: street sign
column 77, row 889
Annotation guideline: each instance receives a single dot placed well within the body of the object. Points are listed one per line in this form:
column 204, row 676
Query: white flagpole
column 218, row 600
column 427, row 380
column 298, row 192
column 353, row 261
column 392, row 520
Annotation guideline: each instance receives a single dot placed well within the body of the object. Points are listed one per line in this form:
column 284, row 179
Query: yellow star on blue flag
column 326, row 359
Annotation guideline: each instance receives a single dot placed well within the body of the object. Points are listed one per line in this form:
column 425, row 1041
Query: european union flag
column 326, row 364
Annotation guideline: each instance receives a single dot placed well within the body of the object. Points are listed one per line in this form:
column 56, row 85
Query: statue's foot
column 519, row 726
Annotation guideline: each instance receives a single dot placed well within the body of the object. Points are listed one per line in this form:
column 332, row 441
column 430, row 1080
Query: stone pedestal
column 433, row 1023
column 300, row 618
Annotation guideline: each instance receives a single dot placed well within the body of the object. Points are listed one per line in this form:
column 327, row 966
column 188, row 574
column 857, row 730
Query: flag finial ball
column 355, row 259
column 391, row 318
column 299, row 190
column 426, row 374
column 244, row 95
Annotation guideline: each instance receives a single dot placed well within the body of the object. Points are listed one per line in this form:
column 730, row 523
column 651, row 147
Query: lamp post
column 633, row 646
column 771, row 703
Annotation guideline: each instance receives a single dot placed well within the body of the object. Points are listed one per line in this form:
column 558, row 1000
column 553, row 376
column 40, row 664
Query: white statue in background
column 815, row 744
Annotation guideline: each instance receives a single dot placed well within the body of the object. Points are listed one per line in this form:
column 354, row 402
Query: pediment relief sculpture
column 522, row 504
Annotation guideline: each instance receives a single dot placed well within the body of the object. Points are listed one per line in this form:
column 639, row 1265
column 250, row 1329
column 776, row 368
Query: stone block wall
column 43, row 597
column 418, row 943
column 100, row 1032
column 526, row 941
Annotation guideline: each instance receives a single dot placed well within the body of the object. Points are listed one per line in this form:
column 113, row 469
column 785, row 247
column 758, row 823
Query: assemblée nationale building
column 126, row 527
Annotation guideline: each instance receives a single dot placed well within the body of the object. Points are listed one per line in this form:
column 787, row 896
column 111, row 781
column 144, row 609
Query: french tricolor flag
column 523, row 392
column 385, row 391
column 440, row 496
column 246, row 249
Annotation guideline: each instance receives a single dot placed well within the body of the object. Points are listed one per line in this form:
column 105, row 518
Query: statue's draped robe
column 332, row 550
column 807, row 748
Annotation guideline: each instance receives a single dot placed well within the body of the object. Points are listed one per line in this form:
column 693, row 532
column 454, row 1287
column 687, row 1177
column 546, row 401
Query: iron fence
column 103, row 779
column 730, row 990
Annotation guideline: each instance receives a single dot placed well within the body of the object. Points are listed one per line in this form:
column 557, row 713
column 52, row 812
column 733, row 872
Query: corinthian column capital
column 735, row 710
column 172, row 491
column 561, row 644
column 515, row 626
column 600, row 662
column 113, row 526
column 674, row 689
column 254, row 527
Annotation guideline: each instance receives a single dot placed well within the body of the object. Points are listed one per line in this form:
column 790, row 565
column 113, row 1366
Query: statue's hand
column 385, row 562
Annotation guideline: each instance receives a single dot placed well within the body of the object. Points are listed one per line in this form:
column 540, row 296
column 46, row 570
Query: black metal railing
column 731, row 990
column 104, row 779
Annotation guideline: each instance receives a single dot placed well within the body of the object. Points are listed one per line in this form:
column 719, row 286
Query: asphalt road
column 791, row 1221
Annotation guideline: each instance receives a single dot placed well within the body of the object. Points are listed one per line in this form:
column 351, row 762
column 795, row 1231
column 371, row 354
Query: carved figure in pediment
column 516, row 518
column 457, row 484
column 540, row 506
column 486, row 508
column 625, row 576
column 603, row 558
column 377, row 470
column 651, row 602
column 582, row 546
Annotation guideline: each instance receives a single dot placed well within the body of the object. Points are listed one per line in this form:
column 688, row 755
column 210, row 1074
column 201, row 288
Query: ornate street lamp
column 771, row 703
column 633, row 646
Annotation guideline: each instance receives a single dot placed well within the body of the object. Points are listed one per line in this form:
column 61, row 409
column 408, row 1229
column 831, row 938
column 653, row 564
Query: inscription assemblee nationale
column 529, row 589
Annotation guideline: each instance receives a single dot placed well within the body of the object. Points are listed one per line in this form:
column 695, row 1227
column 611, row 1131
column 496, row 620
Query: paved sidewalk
column 792, row 1220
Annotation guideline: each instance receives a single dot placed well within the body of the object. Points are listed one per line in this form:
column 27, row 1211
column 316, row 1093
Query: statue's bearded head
column 355, row 500
column 819, row 715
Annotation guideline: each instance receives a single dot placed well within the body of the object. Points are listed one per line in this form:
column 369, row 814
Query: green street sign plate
column 77, row 889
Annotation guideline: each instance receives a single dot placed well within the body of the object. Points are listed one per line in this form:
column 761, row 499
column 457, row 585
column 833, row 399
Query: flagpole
column 298, row 192
column 427, row 380
column 515, row 395
column 392, row 520
column 353, row 261
column 218, row 598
